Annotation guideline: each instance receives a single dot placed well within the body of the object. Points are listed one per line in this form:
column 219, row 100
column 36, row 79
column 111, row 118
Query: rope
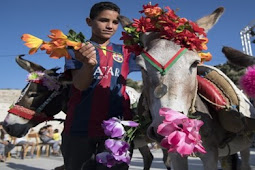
column 209, row 101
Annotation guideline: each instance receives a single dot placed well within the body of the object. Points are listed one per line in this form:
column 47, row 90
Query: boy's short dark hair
column 101, row 6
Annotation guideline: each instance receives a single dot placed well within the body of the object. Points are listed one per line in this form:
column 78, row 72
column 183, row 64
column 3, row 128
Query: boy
column 98, row 91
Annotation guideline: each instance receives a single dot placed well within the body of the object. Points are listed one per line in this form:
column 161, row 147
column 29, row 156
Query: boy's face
column 105, row 24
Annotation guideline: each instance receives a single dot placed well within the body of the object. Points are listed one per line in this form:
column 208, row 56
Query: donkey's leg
column 230, row 162
column 166, row 159
column 245, row 157
column 210, row 159
column 179, row 162
column 147, row 156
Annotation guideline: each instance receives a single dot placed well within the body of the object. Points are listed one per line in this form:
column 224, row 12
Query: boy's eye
column 116, row 22
column 104, row 20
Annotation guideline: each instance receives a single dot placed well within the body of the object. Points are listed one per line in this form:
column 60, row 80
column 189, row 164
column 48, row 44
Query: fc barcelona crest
column 117, row 57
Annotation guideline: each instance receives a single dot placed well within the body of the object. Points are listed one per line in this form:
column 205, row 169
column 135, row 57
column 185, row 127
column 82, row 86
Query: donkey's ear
column 209, row 21
column 28, row 65
column 237, row 57
column 124, row 21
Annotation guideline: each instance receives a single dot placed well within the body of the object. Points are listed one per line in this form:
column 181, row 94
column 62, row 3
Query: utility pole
column 246, row 35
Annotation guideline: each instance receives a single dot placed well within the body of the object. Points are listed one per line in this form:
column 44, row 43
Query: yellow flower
column 205, row 56
column 204, row 42
column 75, row 45
column 32, row 42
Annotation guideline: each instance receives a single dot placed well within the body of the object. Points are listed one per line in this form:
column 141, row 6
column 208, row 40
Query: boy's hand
column 87, row 54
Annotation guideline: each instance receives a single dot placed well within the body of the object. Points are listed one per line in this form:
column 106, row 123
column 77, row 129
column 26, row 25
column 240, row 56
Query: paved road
column 44, row 163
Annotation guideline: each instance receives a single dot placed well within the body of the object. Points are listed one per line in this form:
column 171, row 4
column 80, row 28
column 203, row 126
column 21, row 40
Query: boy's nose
column 109, row 25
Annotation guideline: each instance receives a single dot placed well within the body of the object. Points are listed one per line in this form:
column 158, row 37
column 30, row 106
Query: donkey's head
column 44, row 96
column 169, row 72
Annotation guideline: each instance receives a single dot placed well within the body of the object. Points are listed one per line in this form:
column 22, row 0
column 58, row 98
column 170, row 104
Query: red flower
column 171, row 27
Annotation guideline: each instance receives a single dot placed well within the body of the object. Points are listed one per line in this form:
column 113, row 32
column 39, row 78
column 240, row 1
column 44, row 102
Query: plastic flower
column 205, row 56
column 118, row 150
column 151, row 10
column 247, row 82
column 42, row 78
column 35, row 77
column 183, row 32
column 114, row 127
column 32, row 42
column 106, row 159
column 56, row 48
column 181, row 134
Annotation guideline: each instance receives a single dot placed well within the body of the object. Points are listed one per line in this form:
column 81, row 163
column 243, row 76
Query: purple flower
column 114, row 127
column 106, row 159
column 119, row 149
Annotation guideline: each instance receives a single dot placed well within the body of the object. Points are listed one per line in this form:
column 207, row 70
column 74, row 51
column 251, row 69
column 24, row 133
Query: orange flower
column 57, row 34
column 203, row 43
column 205, row 56
column 56, row 48
column 74, row 44
column 153, row 12
column 32, row 42
column 48, row 46
column 60, row 52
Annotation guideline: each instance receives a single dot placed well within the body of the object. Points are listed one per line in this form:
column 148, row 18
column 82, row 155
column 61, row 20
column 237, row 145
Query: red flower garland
column 171, row 27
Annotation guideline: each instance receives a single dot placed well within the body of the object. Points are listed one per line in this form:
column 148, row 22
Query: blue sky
column 39, row 17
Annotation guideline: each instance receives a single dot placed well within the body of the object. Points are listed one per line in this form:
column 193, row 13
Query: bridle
column 164, row 68
column 34, row 115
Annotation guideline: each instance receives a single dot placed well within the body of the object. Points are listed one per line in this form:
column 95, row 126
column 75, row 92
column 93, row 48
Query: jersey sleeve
column 71, row 64
column 132, row 64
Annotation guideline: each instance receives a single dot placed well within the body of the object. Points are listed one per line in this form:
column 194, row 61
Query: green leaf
column 73, row 36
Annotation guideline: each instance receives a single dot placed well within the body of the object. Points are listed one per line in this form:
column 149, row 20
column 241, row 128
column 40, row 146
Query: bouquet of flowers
column 181, row 134
column 118, row 144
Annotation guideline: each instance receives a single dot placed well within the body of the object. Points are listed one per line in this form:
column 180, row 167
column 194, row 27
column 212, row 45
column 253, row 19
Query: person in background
column 5, row 145
column 56, row 135
column 46, row 136
column 25, row 144
column 98, row 90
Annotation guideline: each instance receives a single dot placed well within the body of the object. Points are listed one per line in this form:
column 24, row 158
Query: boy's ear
column 88, row 20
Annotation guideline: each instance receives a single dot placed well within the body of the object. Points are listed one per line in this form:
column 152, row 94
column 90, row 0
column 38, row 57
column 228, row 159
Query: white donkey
column 223, row 133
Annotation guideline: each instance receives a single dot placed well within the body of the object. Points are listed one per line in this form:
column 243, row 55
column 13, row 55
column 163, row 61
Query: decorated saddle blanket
column 224, row 96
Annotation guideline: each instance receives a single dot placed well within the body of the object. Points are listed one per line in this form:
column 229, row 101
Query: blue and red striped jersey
column 106, row 97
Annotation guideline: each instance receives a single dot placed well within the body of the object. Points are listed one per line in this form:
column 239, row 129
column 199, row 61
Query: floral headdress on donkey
column 170, row 26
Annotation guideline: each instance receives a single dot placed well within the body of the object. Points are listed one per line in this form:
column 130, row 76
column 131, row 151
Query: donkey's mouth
column 16, row 130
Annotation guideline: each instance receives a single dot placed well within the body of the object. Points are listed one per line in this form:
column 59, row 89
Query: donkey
column 240, row 59
column 177, row 89
column 37, row 104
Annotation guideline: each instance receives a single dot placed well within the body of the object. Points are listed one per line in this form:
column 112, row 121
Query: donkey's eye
column 194, row 64
column 32, row 94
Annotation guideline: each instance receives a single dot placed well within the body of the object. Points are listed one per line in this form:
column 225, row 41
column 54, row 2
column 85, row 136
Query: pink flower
column 247, row 82
column 181, row 134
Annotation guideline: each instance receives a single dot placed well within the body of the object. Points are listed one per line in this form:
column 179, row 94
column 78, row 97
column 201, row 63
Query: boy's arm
column 83, row 77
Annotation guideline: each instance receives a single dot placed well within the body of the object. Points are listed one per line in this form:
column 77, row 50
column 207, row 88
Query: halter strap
column 29, row 114
column 163, row 68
